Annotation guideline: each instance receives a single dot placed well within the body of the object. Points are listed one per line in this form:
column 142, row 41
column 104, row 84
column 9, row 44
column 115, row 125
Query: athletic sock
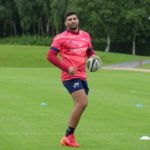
column 69, row 131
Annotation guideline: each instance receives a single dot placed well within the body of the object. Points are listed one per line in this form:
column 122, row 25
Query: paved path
column 129, row 66
column 132, row 64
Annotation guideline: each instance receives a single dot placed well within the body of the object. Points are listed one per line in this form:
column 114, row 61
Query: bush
column 26, row 40
column 98, row 44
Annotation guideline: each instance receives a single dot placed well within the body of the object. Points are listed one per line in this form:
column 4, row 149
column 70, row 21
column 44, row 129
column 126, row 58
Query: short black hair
column 69, row 14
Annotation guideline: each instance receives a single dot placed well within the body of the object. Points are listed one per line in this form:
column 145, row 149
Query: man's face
column 72, row 22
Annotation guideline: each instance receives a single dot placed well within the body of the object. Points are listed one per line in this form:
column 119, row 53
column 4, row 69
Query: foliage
column 115, row 20
column 27, row 40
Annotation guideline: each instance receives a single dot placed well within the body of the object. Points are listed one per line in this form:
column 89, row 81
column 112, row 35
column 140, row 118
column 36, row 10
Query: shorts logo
column 76, row 84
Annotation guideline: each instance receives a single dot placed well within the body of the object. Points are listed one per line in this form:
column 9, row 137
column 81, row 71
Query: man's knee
column 83, row 104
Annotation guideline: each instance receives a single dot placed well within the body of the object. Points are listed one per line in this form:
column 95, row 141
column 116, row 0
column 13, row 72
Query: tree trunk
column 134, row 45
column 47, row 28
column 15, row 29
column 107, row 49
column 34, row 28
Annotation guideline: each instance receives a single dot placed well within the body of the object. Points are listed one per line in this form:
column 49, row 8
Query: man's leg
column 80, row 102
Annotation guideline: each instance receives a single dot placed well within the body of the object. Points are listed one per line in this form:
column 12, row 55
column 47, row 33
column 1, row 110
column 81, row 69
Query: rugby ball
column 93, row 64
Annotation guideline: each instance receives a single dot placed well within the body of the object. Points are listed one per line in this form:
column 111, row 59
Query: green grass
column 145, row 66
column 114, row 58
column 35, row 56
column 23, row 56
column 111, row 121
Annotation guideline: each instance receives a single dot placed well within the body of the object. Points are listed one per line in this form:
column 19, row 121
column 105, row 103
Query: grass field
column 35, row 56
column 34, row 106
column 146, row 66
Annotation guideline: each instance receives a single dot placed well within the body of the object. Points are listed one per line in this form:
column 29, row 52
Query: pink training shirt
column 73, row 49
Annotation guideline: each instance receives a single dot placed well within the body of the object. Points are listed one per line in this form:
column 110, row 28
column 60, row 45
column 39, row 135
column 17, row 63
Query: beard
column 73, row 27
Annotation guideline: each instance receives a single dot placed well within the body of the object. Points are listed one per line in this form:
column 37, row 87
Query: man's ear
column 65, row 24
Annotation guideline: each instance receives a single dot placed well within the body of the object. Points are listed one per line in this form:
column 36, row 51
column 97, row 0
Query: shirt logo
column 76, row 84
column 78, row 49
column 75, row 43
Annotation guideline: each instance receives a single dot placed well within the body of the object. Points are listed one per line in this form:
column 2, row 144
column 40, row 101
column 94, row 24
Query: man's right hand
column 72, row 70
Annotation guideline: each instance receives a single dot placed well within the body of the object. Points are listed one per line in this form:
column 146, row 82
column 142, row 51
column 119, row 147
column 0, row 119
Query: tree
column 8, row 18
column 135, row 17
column 103, row 16
column 58, row 9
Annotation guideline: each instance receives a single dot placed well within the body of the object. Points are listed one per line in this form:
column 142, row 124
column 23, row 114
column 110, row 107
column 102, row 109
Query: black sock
column 69, row 131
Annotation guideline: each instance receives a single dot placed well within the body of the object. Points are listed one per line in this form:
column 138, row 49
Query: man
column 73, row 45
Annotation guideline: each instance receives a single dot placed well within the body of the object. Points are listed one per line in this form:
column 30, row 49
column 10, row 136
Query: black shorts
column 76, row 84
